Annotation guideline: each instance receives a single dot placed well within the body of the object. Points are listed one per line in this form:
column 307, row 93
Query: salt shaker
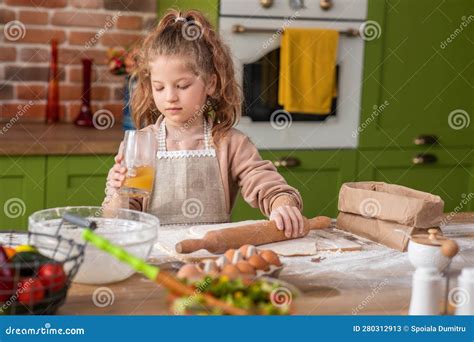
column 463, row 295
column 426, row 292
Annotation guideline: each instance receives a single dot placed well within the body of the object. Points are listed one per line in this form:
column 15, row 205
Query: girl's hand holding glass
column 116, row 176
column 139, row 164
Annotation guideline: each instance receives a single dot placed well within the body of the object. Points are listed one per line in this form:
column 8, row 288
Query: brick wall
column 83, row 28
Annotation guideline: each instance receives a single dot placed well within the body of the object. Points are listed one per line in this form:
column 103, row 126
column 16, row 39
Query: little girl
column 187, row 95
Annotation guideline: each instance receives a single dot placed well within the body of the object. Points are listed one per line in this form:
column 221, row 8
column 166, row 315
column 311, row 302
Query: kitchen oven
column 253, row 29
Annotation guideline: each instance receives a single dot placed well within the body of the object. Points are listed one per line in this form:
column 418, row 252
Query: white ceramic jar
column 421, row 255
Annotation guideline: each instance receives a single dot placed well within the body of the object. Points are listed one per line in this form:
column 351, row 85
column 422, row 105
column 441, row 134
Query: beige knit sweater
column 241, row 167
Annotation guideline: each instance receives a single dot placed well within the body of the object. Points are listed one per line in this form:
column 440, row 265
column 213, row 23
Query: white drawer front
column 340, row 10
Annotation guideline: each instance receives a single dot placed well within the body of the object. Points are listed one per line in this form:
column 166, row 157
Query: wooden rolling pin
column 219, row 241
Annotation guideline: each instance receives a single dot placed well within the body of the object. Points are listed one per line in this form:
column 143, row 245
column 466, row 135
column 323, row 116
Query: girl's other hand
column 290, row 219
column 116, row 176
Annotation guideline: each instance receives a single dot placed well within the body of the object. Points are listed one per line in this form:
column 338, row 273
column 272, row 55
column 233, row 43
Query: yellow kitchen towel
column 307, row 81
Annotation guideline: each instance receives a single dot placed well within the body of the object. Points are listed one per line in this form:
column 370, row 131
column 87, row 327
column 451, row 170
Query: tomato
column 30, row 290
column 52, row 276
column 6, row 276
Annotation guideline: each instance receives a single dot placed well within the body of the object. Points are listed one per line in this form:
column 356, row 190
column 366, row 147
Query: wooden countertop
column 375, row 292
column 62, row 138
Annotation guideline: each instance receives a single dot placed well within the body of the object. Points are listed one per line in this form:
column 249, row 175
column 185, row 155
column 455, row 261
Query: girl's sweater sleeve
column 260, row 183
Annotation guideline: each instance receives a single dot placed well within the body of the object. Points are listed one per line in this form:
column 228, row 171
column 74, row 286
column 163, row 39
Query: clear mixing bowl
column 134, row 231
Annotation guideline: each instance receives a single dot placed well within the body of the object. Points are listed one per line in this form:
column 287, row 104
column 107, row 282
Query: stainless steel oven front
column 252, row 29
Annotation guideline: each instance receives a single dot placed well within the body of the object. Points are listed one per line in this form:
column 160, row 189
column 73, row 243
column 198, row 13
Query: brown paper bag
column 391, row 202
column 384, row 232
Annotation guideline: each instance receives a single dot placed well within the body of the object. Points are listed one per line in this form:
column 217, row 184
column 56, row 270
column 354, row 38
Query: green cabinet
column 21, row 189
column 32, row 183
column 318, row 178
column 447, row 173
column 76, row 180
column 418, row 74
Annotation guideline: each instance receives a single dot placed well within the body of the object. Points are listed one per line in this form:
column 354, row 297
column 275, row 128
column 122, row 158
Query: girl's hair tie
column 180, row 18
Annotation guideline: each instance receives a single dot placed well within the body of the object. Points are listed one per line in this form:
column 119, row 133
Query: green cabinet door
column 318, row 177
column 76, row 180
column 449, row 174
column 418, row 73
column 22, row 181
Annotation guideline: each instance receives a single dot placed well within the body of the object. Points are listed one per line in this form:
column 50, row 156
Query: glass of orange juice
column 139, row 157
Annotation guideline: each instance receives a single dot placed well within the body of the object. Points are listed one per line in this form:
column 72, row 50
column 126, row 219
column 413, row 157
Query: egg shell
column 271, row 257
column 190, row 271
column 258, row 262
column 231, row 271
column 245, row 268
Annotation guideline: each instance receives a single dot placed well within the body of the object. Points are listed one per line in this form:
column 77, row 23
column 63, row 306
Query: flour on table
column 373, row 267
column 316, row 241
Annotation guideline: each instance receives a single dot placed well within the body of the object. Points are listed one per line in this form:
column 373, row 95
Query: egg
column 210, row 267
column 243, row 249
column 271, row 257
column 245, row 268
column 258, row 262
column 231, row 271
column 229, row 254
column 190, row 271
column 248, row 250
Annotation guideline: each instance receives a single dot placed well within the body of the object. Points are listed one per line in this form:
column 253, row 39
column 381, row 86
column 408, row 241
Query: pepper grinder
column 466, row 286
column 426, row 292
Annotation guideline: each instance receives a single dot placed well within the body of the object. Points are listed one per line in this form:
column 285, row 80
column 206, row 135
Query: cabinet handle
column 287, row 162
column 426, row 140
column 266, row 3
column 325, row 4
column 424, row 158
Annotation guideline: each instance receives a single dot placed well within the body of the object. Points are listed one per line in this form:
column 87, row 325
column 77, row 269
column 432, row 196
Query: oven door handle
column 287, row 162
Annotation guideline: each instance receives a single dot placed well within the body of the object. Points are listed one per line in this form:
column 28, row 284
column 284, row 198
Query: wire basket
column 34, row 283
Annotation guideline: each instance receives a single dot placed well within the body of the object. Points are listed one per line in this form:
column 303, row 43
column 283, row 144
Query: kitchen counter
column 373, row 281
column 62, row 138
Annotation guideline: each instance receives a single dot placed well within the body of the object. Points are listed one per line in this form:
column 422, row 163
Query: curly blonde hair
column 188, row 34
